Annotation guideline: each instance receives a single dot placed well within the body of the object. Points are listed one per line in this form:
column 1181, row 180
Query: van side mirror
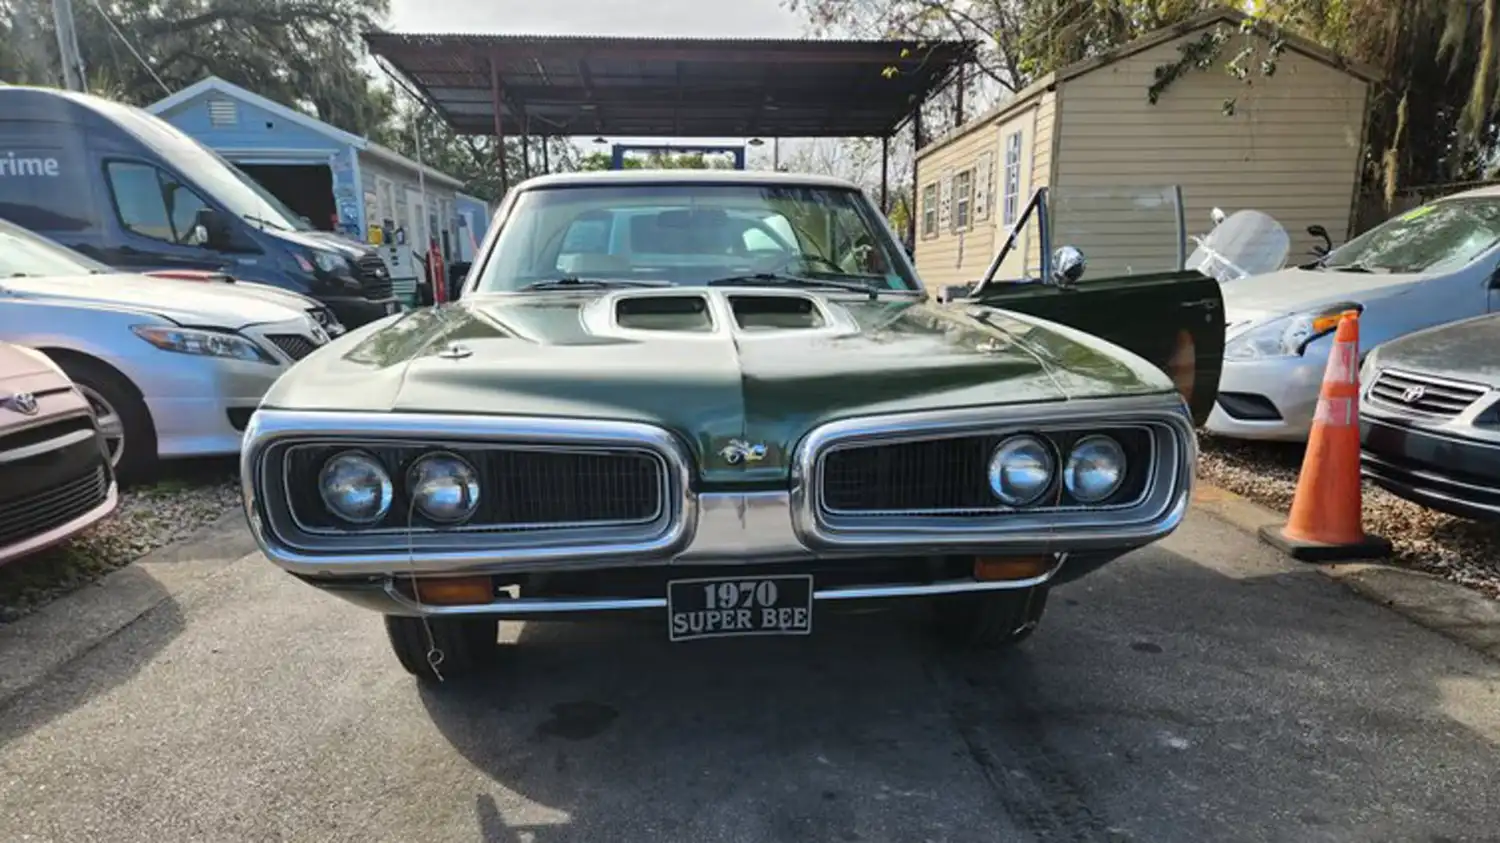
column 210, row 229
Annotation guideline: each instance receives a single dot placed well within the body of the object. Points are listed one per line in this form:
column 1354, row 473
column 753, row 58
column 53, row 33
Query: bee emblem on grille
column 22, row 402
column 739, row 451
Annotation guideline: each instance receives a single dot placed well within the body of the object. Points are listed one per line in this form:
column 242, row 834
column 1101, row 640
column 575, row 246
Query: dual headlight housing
column 1023, row 469
column 357, row 488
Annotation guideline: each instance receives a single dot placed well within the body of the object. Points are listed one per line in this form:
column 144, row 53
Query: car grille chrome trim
column 1153, row 514
column 273, row 432
column 1425, row 394
column 375, row 280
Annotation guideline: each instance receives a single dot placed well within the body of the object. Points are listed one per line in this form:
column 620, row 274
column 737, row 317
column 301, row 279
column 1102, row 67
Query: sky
column 691, row 18
column 725, row 18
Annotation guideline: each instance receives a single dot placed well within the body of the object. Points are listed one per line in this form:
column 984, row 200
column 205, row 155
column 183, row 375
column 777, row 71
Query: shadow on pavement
column 1160, row 700
column 92, row 672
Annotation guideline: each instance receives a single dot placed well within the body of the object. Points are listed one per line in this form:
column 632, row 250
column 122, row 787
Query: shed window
column 1012, row 177
column 930, row 210
column 963, row 199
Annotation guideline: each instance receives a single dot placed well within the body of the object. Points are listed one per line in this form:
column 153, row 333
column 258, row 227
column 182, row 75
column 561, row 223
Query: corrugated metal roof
column 671, row 86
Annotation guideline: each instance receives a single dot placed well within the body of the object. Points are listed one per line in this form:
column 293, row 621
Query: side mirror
column 1068, row 265
column 209, row 229
column 1217, row 215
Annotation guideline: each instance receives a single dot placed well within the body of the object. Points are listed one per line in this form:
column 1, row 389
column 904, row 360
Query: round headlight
column 1095, row 470
column 444, row 487
column 1020, row 470
column 355, row 487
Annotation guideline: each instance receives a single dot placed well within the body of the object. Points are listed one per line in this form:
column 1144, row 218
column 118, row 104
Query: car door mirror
column 210, row 230
column 1068, row 264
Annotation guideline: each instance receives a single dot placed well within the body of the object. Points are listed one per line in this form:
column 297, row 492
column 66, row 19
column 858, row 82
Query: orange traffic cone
column 1325, row 524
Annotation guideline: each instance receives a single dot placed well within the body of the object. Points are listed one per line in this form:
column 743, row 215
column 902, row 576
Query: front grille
column 43, row 433
column 294, row 346
column 54, row 507
column 951, row 475
column 1423, row 393
column 373, row 277
column 519, row 489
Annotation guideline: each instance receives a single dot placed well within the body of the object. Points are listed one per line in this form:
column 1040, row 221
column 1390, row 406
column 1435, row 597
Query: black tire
column 135, row 458
column 989, row 620
column 467, row 645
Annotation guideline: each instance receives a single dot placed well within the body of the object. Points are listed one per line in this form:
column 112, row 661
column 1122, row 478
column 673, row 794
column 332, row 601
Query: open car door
column 1135, row 292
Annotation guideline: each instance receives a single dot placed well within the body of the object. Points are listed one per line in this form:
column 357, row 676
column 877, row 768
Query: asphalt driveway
column 1202, row 690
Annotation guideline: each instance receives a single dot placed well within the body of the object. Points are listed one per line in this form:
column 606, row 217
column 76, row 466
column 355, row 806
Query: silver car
column 172, row 369
column 1429, row 266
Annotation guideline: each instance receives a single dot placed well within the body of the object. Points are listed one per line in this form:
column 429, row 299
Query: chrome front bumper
column 729, row 529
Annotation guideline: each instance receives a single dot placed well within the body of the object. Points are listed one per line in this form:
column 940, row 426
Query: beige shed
column 1290, row 147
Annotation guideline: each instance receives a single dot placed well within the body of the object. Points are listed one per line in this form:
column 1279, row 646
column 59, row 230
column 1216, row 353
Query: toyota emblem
column 22, row 402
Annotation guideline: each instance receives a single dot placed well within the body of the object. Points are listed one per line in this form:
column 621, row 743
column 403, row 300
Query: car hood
column 1467, row 350
column 551, row 355
column 324, row 240
column 1295, row 290
column 17, row 362
column 186, row 303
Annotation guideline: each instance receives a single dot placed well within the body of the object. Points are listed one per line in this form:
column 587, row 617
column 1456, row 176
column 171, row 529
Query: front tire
column 990, row 620
column 467, row 645
column 129, row 433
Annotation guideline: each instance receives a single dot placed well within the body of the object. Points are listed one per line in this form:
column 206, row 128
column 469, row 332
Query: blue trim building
column 377, row 194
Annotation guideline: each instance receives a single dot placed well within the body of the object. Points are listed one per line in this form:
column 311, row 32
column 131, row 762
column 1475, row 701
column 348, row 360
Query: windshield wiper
column 574, row 282
column 772, row 279
column 264, row 222
column 1349, row 267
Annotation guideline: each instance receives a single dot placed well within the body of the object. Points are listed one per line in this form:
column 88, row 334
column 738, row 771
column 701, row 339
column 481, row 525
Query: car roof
column 1487, row 192
column 759, row 177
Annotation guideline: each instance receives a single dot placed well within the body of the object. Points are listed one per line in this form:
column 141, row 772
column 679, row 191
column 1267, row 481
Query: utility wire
column 129, row 46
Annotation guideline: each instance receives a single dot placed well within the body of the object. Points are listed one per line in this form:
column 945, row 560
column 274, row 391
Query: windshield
column 1439, row 237
column 693, row 234
column 236, row 191
column 25, row 254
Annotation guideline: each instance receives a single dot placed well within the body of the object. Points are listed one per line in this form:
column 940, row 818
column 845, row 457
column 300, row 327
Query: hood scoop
column 689, row 314
column 777, row 312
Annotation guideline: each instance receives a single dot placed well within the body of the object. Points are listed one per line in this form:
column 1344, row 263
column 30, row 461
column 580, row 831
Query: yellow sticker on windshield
column 1418, row 213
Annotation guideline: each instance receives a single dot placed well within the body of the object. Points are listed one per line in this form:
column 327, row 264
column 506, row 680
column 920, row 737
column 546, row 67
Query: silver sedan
column 1429, row 266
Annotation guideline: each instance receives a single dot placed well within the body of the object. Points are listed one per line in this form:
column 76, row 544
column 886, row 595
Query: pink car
column 55, row 478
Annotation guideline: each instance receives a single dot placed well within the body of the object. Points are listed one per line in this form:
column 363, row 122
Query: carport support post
column 916, row 149
column 885, row 174
column 495, row 99
column 525, row 145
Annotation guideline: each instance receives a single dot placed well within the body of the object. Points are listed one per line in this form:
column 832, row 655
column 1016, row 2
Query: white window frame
column 963, row 200
column 930, row 209
column 1012, row 191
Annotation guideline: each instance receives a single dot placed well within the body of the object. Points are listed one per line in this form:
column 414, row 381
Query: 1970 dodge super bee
column 726, row 398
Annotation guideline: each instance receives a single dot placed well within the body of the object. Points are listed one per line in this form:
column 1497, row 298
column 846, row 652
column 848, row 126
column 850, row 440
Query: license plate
column 730, row 606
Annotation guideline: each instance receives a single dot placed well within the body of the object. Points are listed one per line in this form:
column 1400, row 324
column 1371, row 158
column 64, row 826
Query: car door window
column 153, row 204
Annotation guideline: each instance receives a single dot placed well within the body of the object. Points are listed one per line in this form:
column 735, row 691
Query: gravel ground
column 1466, row 552
column 148, row 517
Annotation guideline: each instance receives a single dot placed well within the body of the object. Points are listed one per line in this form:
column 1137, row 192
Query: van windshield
column 23, row 254
column 215, row 176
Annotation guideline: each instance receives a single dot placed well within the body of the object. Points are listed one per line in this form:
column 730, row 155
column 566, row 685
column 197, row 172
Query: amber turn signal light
column 1002, row 568
column 455, row 591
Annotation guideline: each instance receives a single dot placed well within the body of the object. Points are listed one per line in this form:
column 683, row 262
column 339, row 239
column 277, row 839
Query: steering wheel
column 803, row 257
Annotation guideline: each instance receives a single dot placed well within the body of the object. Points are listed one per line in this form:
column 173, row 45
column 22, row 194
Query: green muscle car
column 725, row 398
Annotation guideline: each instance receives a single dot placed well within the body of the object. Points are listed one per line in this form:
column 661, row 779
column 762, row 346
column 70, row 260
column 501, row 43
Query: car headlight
column 203, row 342
column 1021, row 470
column 1287, row 336
column 355, row 487
column 444, row 487
column 1095, row 469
